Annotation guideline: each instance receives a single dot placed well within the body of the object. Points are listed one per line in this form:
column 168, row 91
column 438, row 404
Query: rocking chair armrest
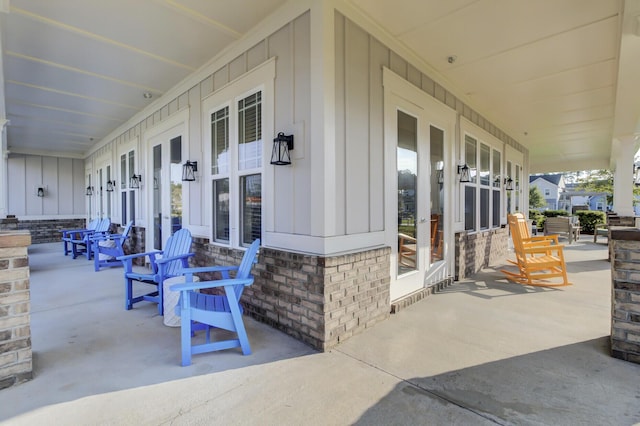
column 211, row 284
column 543, row 249
column 172, row 258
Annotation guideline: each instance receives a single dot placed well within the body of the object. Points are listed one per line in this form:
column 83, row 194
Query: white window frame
column 468, row 129
column 123, row 186
column 260, row 79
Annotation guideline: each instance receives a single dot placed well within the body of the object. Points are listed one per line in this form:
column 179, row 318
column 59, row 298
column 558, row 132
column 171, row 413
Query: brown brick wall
column 15, row 331
column 318, row 300
column 479, row 250
column 42, row 231
column 625, row 294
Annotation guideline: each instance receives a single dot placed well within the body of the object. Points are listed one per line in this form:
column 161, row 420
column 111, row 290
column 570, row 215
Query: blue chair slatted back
column 179, row 243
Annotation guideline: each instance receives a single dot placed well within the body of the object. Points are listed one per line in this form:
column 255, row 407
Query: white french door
column 165, row 185
column 418, row 184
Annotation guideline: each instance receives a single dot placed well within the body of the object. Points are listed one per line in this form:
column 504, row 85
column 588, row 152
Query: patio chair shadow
column 574, row 384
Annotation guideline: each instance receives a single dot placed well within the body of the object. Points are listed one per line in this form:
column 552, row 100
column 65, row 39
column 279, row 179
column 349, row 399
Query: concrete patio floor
column 483, row 351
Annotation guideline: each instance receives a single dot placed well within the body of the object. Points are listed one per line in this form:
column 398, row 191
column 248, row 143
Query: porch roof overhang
column 559, row 77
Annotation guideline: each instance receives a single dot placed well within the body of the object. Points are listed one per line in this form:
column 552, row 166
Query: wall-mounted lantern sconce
column 636, row 175
column 40, row 191
column 111, row 184
column 155, row 183
column 440, row 172
column 89, row 191
column 463, row 171
column 189, row 170
column 135, row 180
column 282, row 144
column 508, row 184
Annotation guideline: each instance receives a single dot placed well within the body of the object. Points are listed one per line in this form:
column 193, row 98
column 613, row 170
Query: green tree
column 601, row 181
column 536, row 199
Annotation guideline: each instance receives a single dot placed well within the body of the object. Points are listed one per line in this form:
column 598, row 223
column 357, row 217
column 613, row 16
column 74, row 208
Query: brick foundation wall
column 42, row 231
column 625, row 294
column 321, row 301
column 15, row 324
column 479, row 250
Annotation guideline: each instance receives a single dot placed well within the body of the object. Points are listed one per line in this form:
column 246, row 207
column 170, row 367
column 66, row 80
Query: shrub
column 555, row 213
column 538, row 217
column 589, row 219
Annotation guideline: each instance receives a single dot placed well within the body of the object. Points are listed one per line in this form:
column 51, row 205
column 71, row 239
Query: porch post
column 623, row 178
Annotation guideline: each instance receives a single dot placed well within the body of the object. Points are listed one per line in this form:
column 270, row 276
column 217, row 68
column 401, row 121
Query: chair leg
column 129, row 293
column 236, row 315
column 185, row 330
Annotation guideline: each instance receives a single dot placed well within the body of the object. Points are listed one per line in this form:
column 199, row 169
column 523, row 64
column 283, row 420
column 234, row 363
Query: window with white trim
column 127, row 194
column 483, row 193
column 236, row 170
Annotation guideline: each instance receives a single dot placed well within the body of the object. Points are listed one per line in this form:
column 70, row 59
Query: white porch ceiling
column 558, row 76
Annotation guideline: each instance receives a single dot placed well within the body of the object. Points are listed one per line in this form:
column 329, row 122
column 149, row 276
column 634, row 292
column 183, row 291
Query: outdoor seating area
column 105, row 374
column 163, row 264
column 540, row 260
column 566, row 226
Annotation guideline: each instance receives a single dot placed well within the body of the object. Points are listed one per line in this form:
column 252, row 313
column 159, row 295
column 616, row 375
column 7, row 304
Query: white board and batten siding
column 63, row 179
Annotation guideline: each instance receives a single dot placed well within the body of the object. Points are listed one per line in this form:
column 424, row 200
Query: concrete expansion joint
column 426, row 390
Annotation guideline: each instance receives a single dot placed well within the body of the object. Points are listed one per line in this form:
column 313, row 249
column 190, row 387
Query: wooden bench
column 601, row 230
column 562, row 225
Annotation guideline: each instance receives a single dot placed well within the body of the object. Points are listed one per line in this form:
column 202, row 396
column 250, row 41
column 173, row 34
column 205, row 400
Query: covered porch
column 482, row 351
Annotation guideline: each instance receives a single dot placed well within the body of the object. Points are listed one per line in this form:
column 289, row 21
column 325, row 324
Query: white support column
column 623, row 177
column 4, row 153
column 323, row 181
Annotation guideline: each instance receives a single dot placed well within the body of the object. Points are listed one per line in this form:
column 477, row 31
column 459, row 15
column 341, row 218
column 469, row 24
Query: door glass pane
column 516, row 187
column 131, row 165
column 496, row 208
column 509, row 195
column 250, row 132
column 220, row 141
column 407, row 166
column 484, row 208
column 470, row 154
column 157, row 197
column 436, row 231
column 176, row 184
column 485, row 158
column 108, row 194
column 124, row 177
column 100, row 184
column 251, row 199
column 469, row 208
column 221, row 210
column 497, row 176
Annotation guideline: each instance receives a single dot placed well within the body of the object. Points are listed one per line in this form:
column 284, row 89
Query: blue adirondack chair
column 164, row 264
column 71, row 234
column 82, row 241
column 107, row 247
column 222, row 311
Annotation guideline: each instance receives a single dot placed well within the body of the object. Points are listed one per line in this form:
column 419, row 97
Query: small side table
column 170, row 300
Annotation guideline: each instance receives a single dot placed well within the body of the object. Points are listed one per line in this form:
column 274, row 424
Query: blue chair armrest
column 178, row 257
column 197, row 270
column 135, row 255
column 210, row 284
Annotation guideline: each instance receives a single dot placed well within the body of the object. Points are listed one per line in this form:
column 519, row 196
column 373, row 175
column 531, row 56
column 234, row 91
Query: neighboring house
column 551, row 186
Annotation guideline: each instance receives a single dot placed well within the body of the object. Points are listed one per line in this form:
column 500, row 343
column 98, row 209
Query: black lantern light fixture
column 89, row 191
column 189, row 170
column 463, row 171
column 40, row 191
column 282, row 144
column 508, row 184
column 111, row 184
column 134, row 182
